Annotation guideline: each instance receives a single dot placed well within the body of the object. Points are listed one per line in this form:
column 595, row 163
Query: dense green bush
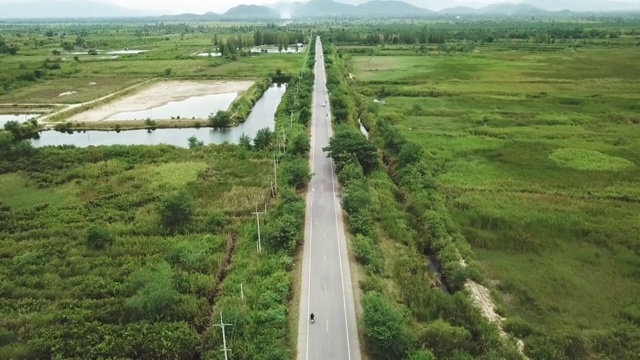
column 98, row 238
column 176, row 210
column 385, row 327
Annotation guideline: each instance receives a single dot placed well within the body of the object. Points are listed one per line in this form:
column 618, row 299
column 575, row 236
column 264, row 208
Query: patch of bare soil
column 161, row 94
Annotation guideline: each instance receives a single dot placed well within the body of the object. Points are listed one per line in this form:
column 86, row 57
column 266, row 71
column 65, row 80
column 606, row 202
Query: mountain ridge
column 39, row 9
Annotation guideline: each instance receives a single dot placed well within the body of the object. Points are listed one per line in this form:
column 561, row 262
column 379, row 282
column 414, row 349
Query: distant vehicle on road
column 324, row 103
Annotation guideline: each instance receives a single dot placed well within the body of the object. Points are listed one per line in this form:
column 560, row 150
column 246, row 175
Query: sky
column 219, row 6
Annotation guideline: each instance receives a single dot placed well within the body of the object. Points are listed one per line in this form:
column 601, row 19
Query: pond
column 262, row 115
column 198, row 107
column 274, row 50
column 126, row 52
column 5, row 118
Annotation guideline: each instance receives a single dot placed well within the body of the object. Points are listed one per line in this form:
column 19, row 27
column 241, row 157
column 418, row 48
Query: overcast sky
column 202, row 6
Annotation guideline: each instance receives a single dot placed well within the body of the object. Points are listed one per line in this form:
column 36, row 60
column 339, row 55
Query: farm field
column 85, row 243
column 536, row 155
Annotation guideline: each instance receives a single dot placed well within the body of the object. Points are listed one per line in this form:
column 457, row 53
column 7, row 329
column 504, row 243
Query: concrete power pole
column 224, row 338
column 257, row 214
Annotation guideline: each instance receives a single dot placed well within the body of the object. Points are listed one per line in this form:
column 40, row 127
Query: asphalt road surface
column 326, row 277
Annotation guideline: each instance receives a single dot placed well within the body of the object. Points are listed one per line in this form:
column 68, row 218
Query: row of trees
column 402, row 34
column 415, row 319
column 260, row 326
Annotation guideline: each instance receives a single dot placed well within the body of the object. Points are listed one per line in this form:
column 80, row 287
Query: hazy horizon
column 199, row 6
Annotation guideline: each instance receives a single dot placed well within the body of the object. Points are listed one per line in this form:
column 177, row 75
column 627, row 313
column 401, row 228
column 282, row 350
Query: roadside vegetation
column 519, row 162
column 136, row 251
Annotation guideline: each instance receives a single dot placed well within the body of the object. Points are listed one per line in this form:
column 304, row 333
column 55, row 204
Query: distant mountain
column 584, row 5
column 502, row 9
column 68, row 9
column 315, row 8
column 390, row 8
column 251, row 12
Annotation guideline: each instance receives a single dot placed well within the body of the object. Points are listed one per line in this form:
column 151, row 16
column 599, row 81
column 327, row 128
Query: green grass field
column 50, row 275
column 540, row 169
column 93, row 76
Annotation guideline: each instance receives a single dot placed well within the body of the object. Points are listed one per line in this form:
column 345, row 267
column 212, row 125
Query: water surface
column 199, row 107
column 262, row 115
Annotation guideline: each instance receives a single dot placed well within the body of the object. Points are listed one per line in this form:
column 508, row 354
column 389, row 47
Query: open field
column 161, row 94
column 537, row 157
column 109, row 292
column 42, row 71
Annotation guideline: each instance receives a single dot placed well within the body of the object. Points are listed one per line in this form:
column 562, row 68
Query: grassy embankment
column 535, row 156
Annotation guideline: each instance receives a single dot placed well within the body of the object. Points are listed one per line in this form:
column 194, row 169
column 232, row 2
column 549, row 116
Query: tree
column 296, row 172
column 220, row 119
column 347, row 142
column 98, row 238
column 176, row 210
column 304, row 116
column 384, row 327
column 167, row 72
column 300, row 143
column 410, row 153
column 263, row 138
column 245, row 141
column 195, row 143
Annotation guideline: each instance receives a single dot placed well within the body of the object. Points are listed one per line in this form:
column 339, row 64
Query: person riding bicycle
column 312, row 316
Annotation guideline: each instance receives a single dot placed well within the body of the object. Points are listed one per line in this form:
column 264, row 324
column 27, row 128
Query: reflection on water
column 5, row 118
column 198, row 107
column 261, row 116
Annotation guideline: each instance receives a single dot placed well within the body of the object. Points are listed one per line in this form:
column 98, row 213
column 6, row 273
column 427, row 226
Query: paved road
column 326, row 277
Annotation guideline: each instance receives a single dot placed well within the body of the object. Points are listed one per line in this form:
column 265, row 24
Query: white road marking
column 327, row 325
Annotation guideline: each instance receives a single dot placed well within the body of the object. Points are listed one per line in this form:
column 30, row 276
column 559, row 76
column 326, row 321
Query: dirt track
column 160, row 94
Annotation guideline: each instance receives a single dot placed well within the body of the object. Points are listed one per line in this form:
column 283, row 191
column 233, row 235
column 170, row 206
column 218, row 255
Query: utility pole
column 284, row 139
column 241, row 292
column 291, row 121
column 224, row 338
column 259, row 245
column 275, row 173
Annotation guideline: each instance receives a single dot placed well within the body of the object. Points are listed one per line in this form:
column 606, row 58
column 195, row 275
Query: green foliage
column 384, row 327
column 177, row 210
column 300, row 144
column 216, row 220
column 347, row 142
column 443, row 338
column 366, row 252
column 195, row 143
column 582, row 159
column 99, row 238
column 245, row 142
column 221, row 119
column 410, row 153
column 264, row 138
column 518, row 327
column 421, row 355
column 154, row 294
column 304, row 116
column 296, row 172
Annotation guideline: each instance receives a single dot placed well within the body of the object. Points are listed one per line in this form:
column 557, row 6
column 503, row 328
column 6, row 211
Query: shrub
column 98, row 238
column 220, row 119
column 263, row 139
column 518, row 327
column 384, row 327
column 177, row 210
column 300, row 143
column 296, row 172
column 367, row 252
